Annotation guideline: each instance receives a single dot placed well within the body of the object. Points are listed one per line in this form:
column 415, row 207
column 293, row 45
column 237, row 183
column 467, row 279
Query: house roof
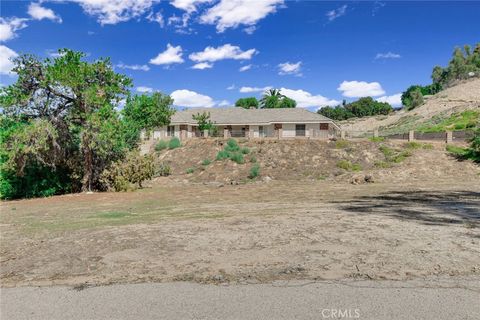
column 241, row 116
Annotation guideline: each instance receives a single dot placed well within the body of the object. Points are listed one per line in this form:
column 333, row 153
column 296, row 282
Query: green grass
column 206, row 162
column 113, row 215
column 377, row 139
column 254, row 171
column 253, row 159
column 397, row 155
column 237, row 157
column 233, row 152
column 222, row 155
column 413, row 145
column 342, row 144
column 347, row 165
column 174, row 143
column 245, row 150
column 456, row 150
column 458, row 121
column 190, row 170
column 161, row 145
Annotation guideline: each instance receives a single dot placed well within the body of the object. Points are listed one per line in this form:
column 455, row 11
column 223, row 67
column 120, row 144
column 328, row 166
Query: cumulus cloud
column 254, row 89
column 245, row 68
column 202, row 66
column 6, row 65
column 337, row 13
column 231, row 87
column 188, row 5
column 357, row 89
column 290, row 68
column 8, row 27
column 233, row 13
column 37, row 12
column 388, row 55
column 136, row 67
column 305, row 99
column 191, row 99
column 224, row 103
column 394, row 100
column 143, row 89
column 156, row 17
column 169, row 56
column 115, row 11
column 226, row 51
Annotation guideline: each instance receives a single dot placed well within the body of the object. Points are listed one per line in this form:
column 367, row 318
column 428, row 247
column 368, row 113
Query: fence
column 448, row 136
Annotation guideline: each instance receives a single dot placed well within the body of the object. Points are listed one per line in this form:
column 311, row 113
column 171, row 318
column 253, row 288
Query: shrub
column 161, row 145
column 254, row 171
column 387, row 151
column 237, row 157
column 347, row 165
column 162, row 170
column 456, row 150
column 232, row 146
column 253, row 159
column 126, row 174
column 190, row 170
column 377, row 139
column 245, row 150
column 413, row 145
column 342, row 144
column 206, row 162
column 174, row 143
column 222, row 155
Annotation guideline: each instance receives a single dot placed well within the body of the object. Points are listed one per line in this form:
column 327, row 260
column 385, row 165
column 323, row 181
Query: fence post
column 449, row 137
column 225, row 133
column 280, row 133
column 342, row 134
column 411, row 135
column 205, row 133
column 375, row 133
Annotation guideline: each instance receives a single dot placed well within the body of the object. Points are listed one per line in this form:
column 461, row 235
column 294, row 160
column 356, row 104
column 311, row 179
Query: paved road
column 432, row 299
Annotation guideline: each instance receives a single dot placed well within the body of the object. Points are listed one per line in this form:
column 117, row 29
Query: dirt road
column 419, row 299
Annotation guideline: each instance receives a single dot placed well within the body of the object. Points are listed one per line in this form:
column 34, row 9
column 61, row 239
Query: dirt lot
column 250, row 233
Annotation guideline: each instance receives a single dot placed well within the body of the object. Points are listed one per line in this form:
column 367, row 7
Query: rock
column 218, row 277
column 369, row 179
column 357, row 179
column 233, row 182
column 267, row 179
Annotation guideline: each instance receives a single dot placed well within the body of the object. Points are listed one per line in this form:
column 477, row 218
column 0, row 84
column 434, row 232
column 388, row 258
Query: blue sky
column 212, row 52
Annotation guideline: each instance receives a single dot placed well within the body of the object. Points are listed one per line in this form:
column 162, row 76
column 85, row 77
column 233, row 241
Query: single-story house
column 250, row 123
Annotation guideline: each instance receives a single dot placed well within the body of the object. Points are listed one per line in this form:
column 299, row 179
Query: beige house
column 250, row 123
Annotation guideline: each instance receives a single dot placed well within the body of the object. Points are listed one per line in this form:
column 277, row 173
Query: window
column 261, row 133
column 323, row 126
column 170, row 131
column 300, row 130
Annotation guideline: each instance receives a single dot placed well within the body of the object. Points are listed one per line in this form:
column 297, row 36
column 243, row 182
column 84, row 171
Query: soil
column 418, row 218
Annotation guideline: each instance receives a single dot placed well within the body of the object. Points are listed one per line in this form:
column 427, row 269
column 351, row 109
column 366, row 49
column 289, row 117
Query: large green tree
column 363, row 107
column 62, row 117
column 247, row 103
column 273, row 98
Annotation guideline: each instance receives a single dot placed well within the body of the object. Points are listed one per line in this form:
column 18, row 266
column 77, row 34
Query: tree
column 203, row 121
column 73, row 101
column 146, row 112
column 363, row 107
column 286, row 102
column 247, row 103
column 273, row 98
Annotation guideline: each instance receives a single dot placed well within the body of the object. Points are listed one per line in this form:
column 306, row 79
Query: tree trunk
column 87, row 165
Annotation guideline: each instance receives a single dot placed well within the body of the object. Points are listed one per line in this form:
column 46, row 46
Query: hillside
column 454, row 100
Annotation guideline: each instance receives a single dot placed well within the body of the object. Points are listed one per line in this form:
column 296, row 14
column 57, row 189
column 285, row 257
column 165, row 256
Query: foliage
column 190, row 170
column 377, row 139
column 222, row 155
column 254, row 171
column 363, row 107
column 245, row 150
column 203, row 121
column 232, row 145
column 457, row 121
column 247, row 103
column 341, row 144
column 127, row 173
column 161, row 145
column 206, row 162
column 464, row 64
column 174, row 143
column 233, row 152
column 162, row 170
column 146, row 112
column 395, row 155
column 347, row 165
column 253, row 159
column 237, row 157
column 413, row 97
column 273, row 98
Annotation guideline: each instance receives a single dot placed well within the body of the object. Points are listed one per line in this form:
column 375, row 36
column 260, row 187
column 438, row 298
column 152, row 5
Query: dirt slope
column 464, row 96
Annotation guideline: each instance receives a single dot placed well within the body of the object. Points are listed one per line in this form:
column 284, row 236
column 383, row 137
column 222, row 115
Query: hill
column 447, row 107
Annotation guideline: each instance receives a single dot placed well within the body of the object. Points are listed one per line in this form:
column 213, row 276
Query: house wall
column 288, row 130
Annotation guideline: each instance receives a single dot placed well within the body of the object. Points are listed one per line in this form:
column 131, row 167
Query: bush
column 377, row 139
column 237, row 157
column 163, row 170
column 342, row 144
column 363, row 107
column 161, row 145
column 253, row 159
column 245, row 150
column 124, row 175
column 174, row 143
column 232, row 146
column 222, row 155
column 206, row 162
column 347, row 165
column 254, row 171
column 190, row 170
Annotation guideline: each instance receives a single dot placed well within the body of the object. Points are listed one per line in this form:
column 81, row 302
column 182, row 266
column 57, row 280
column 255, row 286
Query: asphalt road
column 419, row 299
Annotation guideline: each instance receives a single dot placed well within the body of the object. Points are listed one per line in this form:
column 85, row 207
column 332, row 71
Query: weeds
column 162, row 170
column 190, row 170
column 233, row 152
column 206, row 162
column 174, row 143
column 161, row 145
column 342, row 144
column 377, row 139
column 254, row 171
column 347, row 165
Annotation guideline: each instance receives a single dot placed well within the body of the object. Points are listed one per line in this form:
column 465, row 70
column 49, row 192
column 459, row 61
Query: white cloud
column 245, row 68
column 337, row 13
column 136, row 67
column 115, row 11
column 357, row 89
column 250, row 30
column 157, row 17
column 388, row 55
column 231, row 87
column 232, row 13
column 169, row 56
column 226, row 51
column 290, row 68
column 305, row 99
column 254, row 89
column 202, row 65
column 192, row 99
column 6, row 65
column 394, row 100
column 188, row 5
column 224, row 103
column 143, row 89
column 37, row 12
column 9, row 26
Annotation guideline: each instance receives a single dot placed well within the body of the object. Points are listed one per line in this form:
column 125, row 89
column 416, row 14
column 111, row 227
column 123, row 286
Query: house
column 251, row 123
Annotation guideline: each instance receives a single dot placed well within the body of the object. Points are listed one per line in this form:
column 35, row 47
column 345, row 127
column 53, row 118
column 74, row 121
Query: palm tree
column 270, row 98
